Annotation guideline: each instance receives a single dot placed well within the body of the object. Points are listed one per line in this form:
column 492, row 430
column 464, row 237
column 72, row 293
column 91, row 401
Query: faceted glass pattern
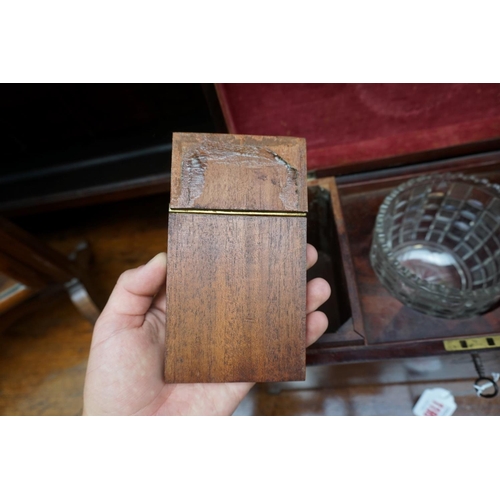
column 436, row 245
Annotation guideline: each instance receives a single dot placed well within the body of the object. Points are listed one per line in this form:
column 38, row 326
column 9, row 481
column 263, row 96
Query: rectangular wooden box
column 236, row 284
column 373, row 324
column 364, row 140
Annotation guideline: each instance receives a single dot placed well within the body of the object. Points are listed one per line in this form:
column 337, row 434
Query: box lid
column 238, row 172
column 346, row 124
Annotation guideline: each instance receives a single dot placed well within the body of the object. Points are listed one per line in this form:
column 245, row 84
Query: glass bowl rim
column 441, row 289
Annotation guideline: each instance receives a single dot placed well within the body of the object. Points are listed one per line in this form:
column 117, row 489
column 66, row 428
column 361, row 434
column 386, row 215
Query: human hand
column 126, row 362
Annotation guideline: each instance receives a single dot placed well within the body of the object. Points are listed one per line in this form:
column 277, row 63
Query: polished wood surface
column 51, row 266
column 43, row 355
column 235, row 298
column 390, row 387
column 12, row 293
column 238, row 172
column 236, row 286
column 37, row 266
column 362, row 400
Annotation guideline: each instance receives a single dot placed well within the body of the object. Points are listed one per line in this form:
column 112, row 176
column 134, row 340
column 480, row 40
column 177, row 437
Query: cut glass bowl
column 436, row 245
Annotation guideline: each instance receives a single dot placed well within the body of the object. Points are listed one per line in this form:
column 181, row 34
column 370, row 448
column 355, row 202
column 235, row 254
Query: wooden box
column 364, row 140
column 236, row 284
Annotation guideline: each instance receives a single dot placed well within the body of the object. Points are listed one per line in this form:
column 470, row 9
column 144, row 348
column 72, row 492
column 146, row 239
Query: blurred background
column 84, row 196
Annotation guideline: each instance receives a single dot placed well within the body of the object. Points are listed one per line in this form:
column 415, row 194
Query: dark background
column 61, row 143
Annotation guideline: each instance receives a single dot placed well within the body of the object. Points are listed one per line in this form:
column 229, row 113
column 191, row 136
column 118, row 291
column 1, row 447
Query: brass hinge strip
column 472, row 343
column 235, row 212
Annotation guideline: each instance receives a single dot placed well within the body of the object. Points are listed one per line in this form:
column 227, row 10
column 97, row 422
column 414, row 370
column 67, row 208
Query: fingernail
column 156, row 258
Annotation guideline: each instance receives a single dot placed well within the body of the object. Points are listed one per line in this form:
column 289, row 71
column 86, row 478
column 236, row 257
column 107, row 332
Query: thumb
column 133, row 294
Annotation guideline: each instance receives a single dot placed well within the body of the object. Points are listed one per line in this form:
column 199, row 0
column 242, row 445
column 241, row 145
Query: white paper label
column 435, row 403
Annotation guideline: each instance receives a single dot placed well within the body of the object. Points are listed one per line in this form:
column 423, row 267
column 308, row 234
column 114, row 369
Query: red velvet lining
column 352, row 123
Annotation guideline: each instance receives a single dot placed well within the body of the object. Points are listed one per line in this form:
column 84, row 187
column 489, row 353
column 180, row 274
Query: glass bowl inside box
column 436, row 245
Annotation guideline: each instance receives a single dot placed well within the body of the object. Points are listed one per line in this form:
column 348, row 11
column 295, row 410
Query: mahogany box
column 236, row 282
column 362, row 141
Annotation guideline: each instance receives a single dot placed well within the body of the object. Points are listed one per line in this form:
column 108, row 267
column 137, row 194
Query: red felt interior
column 352, row 123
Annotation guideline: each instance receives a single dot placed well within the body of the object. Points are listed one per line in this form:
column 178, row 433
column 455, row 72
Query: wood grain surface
column 236, row 284
column 237, row 172
column 236, row 295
